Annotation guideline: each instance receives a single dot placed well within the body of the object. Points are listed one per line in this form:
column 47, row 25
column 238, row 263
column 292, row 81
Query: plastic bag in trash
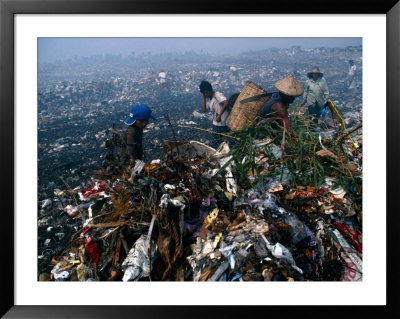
column 281, row 252
column 83, row 272
column 136, row 265
column 59, row 273
column 46, row 203
column 231, row 185
column 276, row 151
column 72, row 211
column 227, row 251
column 169, row 186
column 93, row 249
column 298, row 230
column 218, row 273
column 270, row 204
column 139, row 165
column 260, row 249
column 166, row 199
column 352, row 258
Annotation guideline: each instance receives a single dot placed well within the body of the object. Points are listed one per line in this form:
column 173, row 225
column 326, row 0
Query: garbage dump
column 264, row 206
column 78, row 101
column 250, row 212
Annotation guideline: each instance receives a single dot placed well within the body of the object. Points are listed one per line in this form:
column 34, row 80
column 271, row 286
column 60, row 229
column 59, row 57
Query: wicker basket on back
column 247, row 107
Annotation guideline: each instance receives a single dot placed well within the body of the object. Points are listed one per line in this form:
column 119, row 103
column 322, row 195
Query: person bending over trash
column 351, row 78
column 316, row 93
column 288, row 89
column 218, row 105
column 132, row 139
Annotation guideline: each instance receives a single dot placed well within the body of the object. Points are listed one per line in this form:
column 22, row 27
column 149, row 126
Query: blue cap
column 139, row 112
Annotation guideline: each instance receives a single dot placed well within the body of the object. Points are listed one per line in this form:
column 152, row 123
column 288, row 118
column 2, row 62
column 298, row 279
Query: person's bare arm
column 279, row 110
column 203, row 104
column 224, row 106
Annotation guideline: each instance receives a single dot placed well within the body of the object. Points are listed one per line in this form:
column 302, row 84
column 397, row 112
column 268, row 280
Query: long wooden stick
column 173, row 131
column 73, row 195
column 209, row 131
column 349, row 132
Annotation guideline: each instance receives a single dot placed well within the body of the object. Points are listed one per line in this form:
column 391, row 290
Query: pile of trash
column 200, row 214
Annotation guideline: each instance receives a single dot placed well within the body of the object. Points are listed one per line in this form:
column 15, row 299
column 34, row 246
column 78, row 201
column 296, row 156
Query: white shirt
column 162, row 77
column 352, row 78
column 215, row 106
column 352, row 70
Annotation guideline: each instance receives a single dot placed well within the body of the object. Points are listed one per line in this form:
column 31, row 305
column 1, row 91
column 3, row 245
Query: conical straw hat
column 289, row 86
column 314, row 70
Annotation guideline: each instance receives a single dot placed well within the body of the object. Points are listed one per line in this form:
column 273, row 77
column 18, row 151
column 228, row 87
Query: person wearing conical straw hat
column 288, row 89
column 316, row 93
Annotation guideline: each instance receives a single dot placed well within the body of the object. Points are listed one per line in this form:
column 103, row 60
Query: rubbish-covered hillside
column 266, row 205
column 250, row 212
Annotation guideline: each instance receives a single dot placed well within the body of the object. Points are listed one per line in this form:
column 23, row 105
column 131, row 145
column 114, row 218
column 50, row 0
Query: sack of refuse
column 136, row 265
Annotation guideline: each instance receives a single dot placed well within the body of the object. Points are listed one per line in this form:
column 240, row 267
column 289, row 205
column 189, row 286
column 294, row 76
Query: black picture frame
column 8, row 8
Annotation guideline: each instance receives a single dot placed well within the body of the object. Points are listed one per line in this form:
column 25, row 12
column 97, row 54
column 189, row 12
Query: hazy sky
column 51, row 49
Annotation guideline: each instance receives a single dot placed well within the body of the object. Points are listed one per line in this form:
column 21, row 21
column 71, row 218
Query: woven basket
column 243, row 114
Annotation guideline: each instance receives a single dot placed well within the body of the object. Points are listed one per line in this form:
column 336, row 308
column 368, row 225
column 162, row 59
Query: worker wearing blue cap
column 136, row 121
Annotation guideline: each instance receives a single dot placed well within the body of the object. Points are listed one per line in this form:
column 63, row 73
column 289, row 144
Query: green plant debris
column 299, row 157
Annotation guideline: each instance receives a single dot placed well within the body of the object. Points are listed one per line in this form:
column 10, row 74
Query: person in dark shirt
column 288, row 89
column 132, row 139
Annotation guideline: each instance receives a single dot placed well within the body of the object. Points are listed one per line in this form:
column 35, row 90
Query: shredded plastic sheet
column 93, row 249
column 46, row 203
column 352, row 258
column 219, row 271
column 139, row 165
column 231, row 185
column 338, row 193
column 72, row 211
column 98, row 188
column 137, row 264
column 282, row 253
column 59, row 272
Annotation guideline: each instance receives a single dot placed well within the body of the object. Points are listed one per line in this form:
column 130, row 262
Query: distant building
column 296, row 49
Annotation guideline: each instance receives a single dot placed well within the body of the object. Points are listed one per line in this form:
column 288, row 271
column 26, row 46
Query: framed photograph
column 149, row 146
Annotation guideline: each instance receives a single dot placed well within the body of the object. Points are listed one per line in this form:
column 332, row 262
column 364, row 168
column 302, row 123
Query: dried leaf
column 327, row 153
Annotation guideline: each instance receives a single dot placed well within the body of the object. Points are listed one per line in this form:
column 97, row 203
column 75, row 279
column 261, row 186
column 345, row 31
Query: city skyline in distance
column 53, row 49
